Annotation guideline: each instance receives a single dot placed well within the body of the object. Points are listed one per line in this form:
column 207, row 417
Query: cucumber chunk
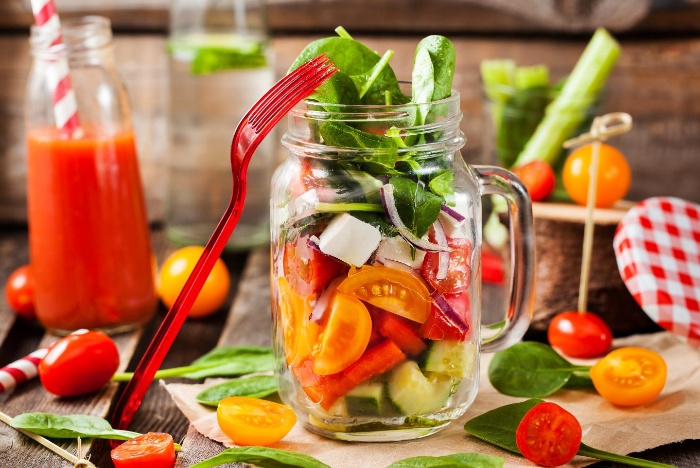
column 365, row 399
column 414, row 393
column 454, row 358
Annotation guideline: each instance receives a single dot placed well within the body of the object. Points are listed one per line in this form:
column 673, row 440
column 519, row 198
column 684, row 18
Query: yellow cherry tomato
column 251, row 421
column 614, row 175
column 630, row 376
column 176, row 270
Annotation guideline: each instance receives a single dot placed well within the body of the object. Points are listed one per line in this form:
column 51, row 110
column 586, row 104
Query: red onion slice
column 314, row 242
column 443, row 257
column 450, row 314
column 452, row 213
column 389, row 203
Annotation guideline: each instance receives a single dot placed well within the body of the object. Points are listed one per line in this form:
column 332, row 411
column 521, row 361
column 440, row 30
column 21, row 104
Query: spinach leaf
column 466, row 460
column 220, row 362
column 342, row 135
column 69, row 426
column 263, row 457
column 417, row 207
column 441, row 184
column 433, row 72
column 498, row 426
column 530, row 369
column 257, row 386
column 378, row 221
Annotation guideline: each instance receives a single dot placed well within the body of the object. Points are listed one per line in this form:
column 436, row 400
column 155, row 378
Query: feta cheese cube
column 452, row 227
column 398, row 250
column 349, row 239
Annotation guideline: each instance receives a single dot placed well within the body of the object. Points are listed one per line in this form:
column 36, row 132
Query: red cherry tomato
column 152, row 450
column 19, row 292
column 458, row 273
column 548, row 435
column 614, row 175
column 79, row 363
column 580, row 335
column 538, row 177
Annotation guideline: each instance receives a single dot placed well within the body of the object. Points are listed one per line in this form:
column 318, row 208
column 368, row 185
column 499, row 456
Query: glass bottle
column 220, row 65
column 89, row 240
column 376, row 269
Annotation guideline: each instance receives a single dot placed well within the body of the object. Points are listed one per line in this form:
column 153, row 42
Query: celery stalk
column 498, row 74
column 531, row 77
column 568, row 111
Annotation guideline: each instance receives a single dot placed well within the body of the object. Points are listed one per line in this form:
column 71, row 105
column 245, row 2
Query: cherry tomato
column 252, row 421
column 538, row 177
column 19, row 292
column 580, row 335
column 79, row 363
column 177, row 269
column 389, row 289
column 614, row 175
column 151, row 450
column 457, row 279
column 308, row 269
column 299, row 333
column 629, row 376
column 440, row 326
column 344, row 337
column 548, row 435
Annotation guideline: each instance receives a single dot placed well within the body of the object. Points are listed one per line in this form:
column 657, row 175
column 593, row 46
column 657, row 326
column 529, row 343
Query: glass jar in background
column 376, row 269
column 89, row 240
column 220, row 65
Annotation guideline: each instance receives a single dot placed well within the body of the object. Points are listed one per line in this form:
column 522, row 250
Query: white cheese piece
column 349, row 239
column 398, row 250
column 452, row 227
column 304, row 202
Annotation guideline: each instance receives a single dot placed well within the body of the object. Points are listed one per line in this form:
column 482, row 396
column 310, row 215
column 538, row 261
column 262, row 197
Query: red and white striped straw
column 65, row 105
column 25, row 368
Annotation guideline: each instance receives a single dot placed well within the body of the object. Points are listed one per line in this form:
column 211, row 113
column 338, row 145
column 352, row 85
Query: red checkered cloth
column 657, row 246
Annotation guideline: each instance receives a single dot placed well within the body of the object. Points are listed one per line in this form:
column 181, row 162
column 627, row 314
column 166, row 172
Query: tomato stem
column 587, row 451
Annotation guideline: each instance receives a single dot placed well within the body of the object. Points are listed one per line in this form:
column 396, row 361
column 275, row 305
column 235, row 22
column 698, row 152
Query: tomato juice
column 89, row 238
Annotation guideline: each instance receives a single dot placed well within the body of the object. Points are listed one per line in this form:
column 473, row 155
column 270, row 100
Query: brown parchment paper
column 672, row 417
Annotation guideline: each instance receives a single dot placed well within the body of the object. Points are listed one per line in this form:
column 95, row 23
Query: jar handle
column 498, row 181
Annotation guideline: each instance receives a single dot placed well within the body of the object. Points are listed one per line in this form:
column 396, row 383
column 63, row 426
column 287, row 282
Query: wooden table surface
column 246, row 321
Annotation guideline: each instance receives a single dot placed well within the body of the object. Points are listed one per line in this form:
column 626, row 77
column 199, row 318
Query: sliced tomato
column 548, row 435
column 309, row 270
column 403, row 332
column 393, row 290
column 630, row 376
column 440, row 326
column 151, row 450
column 326, row 389
column 458, row 271
column 344, row 337
column 252, row 421
column 299, row 333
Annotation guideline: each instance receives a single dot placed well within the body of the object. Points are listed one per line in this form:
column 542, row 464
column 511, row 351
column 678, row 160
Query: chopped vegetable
column 151, row 450
column 251, row 421
column 548, row 435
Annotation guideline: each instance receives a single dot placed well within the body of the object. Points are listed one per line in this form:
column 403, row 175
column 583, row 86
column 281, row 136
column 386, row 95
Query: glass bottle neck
column 83, row 41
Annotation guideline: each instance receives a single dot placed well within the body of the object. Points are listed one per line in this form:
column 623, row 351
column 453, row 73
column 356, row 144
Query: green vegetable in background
column 499, row 425
column 220, row 362
column 257, row 386
column 263, row 457
column 457, row 460
column 531, row 369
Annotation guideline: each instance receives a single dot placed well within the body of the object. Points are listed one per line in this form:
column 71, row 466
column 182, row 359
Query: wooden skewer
column 602, row 128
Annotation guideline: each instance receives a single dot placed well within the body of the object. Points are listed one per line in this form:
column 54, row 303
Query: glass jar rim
column 79, row 34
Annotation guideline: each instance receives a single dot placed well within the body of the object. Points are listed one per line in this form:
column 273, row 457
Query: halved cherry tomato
column 393, row 290
column 458, row 274
column 308, row 269
column 629, row 376
column 19, row 292
column 344, row 336
column 177, row 269
column 538, row 177
column 491, row 267
column 252, row 421
column 79, row 363
column 151, row 450
column 548, row 435
column 579, row 334
column 299, row 334
column 614, row 175
column 441, row 327
column 403, row 332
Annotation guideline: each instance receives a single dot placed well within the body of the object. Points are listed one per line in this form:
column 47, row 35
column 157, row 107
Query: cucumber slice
column 365, row 400
column 414, row 393
column 454, row 358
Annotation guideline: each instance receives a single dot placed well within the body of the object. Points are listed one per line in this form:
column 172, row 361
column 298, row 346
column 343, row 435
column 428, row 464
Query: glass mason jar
column 376, row 245
column 219, row 65
column 89, row 240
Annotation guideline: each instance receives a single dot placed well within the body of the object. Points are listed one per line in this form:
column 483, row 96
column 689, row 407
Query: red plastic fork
column 252, row 129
